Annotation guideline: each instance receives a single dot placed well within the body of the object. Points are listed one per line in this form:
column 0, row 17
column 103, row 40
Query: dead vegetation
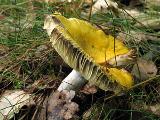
column 29, row 64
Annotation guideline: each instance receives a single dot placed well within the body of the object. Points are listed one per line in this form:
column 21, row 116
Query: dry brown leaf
column 136, row 36
column 89, row 89
column 102, row 5
column 144, row 69
column 60, row 105
column 155, row 109
column 12, row 101
column 69, row 110
column 40, row 50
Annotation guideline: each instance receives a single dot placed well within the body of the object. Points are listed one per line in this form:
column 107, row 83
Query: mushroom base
column 72, row 82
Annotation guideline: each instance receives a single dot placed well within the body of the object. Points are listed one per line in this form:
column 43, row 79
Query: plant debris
column 144, row 69
column 11, row 101
column 31, row 70
column 60, row 105
column 89, row 89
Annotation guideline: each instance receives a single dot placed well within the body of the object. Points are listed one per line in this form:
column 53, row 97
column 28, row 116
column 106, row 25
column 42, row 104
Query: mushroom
column 90, row 52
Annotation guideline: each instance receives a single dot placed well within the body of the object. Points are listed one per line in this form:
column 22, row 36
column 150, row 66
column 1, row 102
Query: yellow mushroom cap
column 85, row 48
column 95, row 42
column 121, row 76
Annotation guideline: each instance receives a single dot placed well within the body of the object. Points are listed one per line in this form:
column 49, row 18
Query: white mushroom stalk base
column 72, row 82
column 60, row 104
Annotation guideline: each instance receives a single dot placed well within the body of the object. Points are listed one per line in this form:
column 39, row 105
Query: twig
column 90, row 11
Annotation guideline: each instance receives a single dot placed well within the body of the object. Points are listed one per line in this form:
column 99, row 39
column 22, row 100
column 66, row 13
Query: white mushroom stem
column 72, row 82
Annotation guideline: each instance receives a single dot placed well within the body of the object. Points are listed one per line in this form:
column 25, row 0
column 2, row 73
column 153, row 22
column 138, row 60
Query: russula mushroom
column 89, row 51
column 93, row 57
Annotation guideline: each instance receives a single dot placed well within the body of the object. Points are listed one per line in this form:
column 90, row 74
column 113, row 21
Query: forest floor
column 28, row 62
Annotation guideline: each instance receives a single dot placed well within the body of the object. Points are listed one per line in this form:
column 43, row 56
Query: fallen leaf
column 144, row 69
column 102, row 5
column 12, row 101
column 60, row 106
column 69, row 110
column 137, row 36
column 154, row 109
column 89, row 89
column 40, row 50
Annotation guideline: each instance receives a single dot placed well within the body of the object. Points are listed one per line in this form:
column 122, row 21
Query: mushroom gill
column 86, row 49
